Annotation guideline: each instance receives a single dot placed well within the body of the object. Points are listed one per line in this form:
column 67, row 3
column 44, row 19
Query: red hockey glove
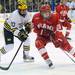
column 58, row 43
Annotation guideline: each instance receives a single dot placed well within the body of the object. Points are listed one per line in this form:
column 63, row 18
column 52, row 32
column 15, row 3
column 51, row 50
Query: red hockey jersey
column 43, row 26
column 62, row 10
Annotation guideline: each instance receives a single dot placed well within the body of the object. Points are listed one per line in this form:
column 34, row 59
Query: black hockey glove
column 28, row 27
column 22, row 35
column 52, row 34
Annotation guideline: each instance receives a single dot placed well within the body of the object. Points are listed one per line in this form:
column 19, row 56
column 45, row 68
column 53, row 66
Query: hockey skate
column 27, row 58
column 50, row 64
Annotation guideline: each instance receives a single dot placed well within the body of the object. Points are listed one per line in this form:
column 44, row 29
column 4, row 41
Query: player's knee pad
column 26, row 48
column 27, row 42
column 39, row 44
column 26, row 45
column 8, row 47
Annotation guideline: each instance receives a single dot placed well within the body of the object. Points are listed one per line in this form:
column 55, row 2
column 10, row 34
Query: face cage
column 45, row 15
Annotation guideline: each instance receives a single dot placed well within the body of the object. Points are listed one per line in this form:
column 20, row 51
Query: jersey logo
column 13, row 24
column 44, row 26
column 21, row 25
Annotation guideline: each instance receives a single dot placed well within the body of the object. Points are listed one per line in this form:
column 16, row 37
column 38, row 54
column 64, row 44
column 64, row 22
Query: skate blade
column 52, row 67
column 28, row 60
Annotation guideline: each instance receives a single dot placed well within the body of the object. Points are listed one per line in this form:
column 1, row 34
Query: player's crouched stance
column 48, row 29
column 14, row 25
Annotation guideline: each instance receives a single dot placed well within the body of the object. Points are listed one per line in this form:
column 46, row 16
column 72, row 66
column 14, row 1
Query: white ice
column 63, row 65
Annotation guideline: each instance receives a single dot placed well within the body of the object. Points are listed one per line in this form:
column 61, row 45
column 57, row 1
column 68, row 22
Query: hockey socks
column 26, row 55
column 44, row 54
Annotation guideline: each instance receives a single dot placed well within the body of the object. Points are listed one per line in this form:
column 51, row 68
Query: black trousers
column 8, row 36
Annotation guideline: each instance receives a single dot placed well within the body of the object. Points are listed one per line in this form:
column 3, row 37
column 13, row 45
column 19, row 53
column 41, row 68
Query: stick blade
column 4, row 68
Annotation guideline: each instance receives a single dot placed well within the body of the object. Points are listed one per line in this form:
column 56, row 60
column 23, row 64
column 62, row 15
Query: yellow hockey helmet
column 22, row 6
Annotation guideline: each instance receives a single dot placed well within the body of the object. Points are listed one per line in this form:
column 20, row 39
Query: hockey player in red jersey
column 48, row 29
column 62, row 10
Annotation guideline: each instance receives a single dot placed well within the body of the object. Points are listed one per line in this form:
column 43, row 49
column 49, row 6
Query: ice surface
column 63, row 65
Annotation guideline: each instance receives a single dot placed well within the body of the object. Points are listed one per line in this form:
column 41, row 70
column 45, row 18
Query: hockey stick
column 6, row 68
column 69, row 56
column 52, row 37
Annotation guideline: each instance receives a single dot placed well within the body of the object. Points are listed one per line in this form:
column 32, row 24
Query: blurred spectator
column 53, row 5
column 0, row 8
column 30, row 5
column 68, row 2
column 35, row 6
column 72, row 7
column 57, row 2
